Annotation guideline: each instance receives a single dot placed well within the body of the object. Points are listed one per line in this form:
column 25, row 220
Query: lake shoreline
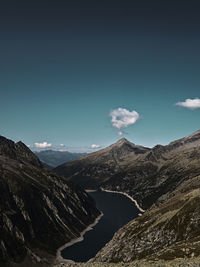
column 59, row 258
column 127, row 195
column 118, row 192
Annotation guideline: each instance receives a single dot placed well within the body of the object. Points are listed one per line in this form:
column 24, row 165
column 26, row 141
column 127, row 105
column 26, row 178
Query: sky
column 79, row 75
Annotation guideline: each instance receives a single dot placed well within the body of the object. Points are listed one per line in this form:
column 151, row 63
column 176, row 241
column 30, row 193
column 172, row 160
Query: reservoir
column 118, row 210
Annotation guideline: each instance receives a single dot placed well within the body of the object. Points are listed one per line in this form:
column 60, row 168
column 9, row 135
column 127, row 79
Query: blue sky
column 64, row 67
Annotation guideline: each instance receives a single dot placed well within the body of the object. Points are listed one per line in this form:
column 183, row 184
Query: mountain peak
column 5, row 141
column 18, row 151
column 122, row 141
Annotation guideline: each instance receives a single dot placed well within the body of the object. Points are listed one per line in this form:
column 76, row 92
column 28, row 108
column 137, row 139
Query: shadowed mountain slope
column 40, row 211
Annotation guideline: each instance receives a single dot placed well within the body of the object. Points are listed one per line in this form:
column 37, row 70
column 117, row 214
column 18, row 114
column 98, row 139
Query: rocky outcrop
column 40, row 211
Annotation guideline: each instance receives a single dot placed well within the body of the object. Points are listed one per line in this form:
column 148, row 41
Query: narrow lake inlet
column 118, row 210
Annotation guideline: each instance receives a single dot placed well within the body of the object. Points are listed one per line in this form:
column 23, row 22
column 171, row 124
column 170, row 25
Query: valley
column 164, row 181
column 117, row 210
column 149, row 199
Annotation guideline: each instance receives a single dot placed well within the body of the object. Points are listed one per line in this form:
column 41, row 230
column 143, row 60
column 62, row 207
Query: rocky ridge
column 97, row 168
column 145, row 174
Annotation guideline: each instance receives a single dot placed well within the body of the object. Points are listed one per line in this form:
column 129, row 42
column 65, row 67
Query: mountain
column 95, row 169
column 168, row 231
column 165, row 180
column 17, row 151
column 143, row 173
column 40, row 211
column 54, row 158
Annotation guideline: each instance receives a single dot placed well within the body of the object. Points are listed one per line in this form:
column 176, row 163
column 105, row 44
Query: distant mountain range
column 40, row 211
column 54, row 158
column 165, row 181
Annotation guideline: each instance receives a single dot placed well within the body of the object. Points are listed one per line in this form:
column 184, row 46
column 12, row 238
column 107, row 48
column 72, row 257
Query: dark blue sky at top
column 65, row 64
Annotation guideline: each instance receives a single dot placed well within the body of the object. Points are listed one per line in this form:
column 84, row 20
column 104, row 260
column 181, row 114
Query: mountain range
column 40, row 211
column 164, row 180
column 53, row 158
column 145, row 174
column 98, row 168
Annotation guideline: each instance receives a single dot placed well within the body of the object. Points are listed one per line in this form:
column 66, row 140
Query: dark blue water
column 118, row 210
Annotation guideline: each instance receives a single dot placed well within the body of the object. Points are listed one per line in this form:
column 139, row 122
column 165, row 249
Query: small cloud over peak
column 190, row 103
column 62, row 145
column 42, row 145
column 94, row 146
column 122, row 118
column 120, row 133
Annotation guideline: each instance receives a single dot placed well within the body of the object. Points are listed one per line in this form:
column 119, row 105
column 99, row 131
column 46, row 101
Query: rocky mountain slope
column 187, row 262
column 97, row 168
column 167, row 231
column 145, row 174
column 54, row 158
column 40, row 211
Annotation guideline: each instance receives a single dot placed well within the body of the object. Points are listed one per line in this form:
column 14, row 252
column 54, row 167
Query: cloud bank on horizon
column 190, row 103
column 63, row 148
column 122, row 118
column 42, row 145
column 94, row 146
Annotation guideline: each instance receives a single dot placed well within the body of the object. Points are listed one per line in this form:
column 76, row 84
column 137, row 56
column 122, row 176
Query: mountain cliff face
column 145, row 174
column 40, row 211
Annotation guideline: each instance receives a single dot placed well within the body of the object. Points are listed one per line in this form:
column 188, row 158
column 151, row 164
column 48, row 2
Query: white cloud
column 62, row 145
column 122, row 118
column 43, row 145
column 94, row 146
column 190, row 103
column 120, row 133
